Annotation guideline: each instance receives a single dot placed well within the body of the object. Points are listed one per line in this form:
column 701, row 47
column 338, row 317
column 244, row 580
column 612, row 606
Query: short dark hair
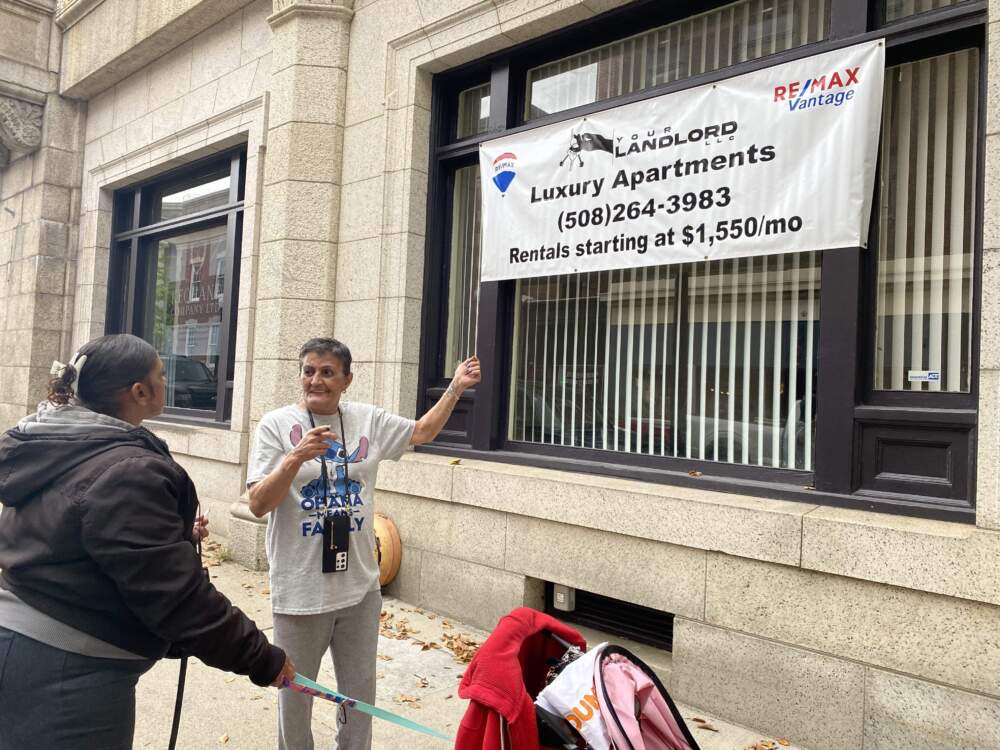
column 114, row 364
column 328, row 346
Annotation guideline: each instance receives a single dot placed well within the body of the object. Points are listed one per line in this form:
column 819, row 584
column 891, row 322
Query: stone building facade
column 840, row 626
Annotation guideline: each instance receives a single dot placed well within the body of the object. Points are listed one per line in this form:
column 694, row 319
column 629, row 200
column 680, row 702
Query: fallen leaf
column 409, row 700
column 385, row 657
column 694, row 473
column 256, row 697
column 230, row 679
column 422, row 682
column 699, row 720
column 224, row 739
column 448, row 697
column 707, row 727
column 379, row 675
column 784, row 742
column 455, row 461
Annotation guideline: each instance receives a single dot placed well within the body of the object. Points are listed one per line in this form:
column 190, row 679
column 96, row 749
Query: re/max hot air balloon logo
column 504, row 170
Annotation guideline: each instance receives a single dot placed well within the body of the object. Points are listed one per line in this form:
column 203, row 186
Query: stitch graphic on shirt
column 345, row 496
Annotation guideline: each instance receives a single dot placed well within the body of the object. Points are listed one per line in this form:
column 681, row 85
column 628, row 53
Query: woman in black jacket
column 100, row 574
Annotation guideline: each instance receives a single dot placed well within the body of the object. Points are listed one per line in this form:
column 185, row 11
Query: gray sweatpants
column 351, row 634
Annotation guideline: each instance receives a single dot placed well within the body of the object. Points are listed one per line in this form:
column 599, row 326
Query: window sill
column 940, row 557
column 213, row 441
column 786, row 485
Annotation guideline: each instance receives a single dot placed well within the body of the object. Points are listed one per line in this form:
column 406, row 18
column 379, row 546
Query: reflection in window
column 194, row 292
column 896, row 9
column 614, row 360
column 473, row 111
column 725, row 36
column 179, row 323
column 192, row 195
column 925, row 262
column 219, row 276
column 463, row 283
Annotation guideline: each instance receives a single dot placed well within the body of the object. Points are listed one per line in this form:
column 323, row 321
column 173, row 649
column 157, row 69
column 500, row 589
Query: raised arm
column 428, row 426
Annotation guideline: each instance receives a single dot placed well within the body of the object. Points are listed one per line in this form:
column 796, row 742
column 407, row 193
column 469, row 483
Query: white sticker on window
column 923, row 376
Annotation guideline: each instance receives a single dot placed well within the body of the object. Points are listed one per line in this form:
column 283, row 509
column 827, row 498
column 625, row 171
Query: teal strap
column 366, row 708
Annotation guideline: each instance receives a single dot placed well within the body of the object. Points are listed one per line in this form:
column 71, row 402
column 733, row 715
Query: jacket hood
column 47, row 445
column 514, row 661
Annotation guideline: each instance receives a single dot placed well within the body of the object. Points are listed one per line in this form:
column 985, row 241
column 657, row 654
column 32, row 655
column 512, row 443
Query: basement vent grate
column 632, row 621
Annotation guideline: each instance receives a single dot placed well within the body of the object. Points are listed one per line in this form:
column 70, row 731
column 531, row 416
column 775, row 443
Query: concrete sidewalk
column 420, row 664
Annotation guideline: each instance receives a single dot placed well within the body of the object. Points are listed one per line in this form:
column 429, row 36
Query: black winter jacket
column 96, row 533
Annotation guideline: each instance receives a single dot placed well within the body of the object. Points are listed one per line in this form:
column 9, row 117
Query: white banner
column 777, row 161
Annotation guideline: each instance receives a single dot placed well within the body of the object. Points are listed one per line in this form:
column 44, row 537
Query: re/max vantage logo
column 832, row 88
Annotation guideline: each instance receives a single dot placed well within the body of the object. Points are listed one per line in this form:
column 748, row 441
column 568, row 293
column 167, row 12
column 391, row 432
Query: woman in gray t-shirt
column 312, row 473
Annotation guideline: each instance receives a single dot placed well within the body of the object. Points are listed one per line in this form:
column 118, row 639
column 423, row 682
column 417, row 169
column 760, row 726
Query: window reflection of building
column 193, row 327
column 194, row 199
column 183, row 231
column 194, row 284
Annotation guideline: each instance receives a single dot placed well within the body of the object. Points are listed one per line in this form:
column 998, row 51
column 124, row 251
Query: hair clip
column 59, row 369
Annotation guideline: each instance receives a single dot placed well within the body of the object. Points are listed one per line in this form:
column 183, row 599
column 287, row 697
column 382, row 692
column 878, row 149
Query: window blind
column 712, row 361
column 724, row 36
column 925, row 253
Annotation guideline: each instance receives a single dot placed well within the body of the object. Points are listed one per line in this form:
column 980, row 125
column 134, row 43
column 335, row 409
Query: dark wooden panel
column 458, row 429
column 932, row 460
column 913, row 459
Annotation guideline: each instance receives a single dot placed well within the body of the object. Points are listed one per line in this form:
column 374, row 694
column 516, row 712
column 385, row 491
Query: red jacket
column 504, row 678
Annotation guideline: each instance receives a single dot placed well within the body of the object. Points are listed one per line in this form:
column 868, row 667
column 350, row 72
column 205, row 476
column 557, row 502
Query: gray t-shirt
column 295, row 528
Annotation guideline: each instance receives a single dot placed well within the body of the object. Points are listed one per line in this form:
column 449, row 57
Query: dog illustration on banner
column 345, row 495
column 579, row 142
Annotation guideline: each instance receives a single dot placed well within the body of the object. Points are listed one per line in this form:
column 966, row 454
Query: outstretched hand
column 467, row 374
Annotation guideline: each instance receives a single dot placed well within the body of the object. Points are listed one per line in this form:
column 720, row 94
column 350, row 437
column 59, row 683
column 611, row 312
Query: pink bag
column 637, row 710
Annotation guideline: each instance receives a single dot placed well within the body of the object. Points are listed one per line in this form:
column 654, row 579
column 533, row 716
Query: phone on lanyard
column 336, row 525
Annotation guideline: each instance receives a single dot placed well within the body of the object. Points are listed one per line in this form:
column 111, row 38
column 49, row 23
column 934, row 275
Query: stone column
column 40, row 166
column 988, row 437
column 300, row 212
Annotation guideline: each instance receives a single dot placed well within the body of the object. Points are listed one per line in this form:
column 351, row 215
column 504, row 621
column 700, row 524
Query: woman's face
column 157, row 380
column 145, row 400
column 323, row 381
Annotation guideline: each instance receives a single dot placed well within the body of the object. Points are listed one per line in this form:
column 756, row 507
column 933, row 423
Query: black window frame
column 133, row 231
column 845, row 396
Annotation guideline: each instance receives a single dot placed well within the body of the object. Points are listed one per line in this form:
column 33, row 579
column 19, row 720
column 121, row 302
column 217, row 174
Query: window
column 213, row 339
column 615, row 361
column 194, row 287
column 925, row 247
column 818, row 376
column 722, row 37
column 190, row 338
column 219, row 277
column 169, row 233
column 895, row 10
column 473, row 111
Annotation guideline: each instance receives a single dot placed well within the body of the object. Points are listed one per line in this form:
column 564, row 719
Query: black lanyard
column 322, row 460
column 336, row 528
